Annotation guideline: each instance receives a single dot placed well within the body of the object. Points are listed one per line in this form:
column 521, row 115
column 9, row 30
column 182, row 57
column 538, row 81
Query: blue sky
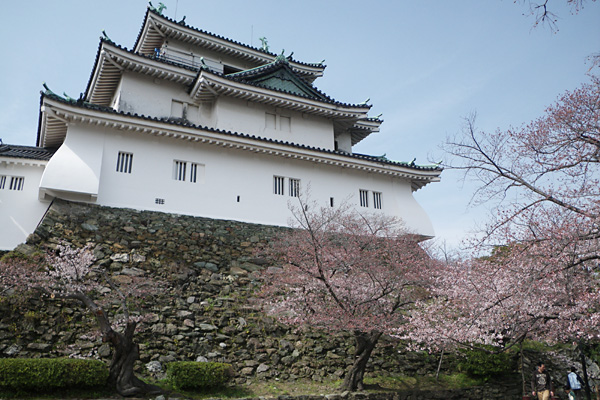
column 424, row 64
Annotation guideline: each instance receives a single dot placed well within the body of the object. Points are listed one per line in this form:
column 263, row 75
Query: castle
column 189, row 122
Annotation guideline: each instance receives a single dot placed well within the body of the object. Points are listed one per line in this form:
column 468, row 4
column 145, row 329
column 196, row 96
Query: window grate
column 179, row 168
column 278, row 185
column 124, row 162
column 2, row 181
column 294, row 187
column 16, row 183
column 364, row 198
column 377, row 200
column 193, row 173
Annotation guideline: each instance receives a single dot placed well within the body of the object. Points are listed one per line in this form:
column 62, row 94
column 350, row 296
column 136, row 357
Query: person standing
column 541, row 383
column 575, row 383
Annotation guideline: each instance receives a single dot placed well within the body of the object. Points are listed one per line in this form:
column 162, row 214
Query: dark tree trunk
column 365, row 343
column 126, row 353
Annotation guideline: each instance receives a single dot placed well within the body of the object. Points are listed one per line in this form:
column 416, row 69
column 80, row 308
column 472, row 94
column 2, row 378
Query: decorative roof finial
column 182, row 22
column 322, row 62
column 105, row 37
column 364, row 102
column 281, row 57
column 69, row 98
column 290, row 56
column 158, row 9
column 412, row 163
column 265, row 44
column 203, row 63
column 48, row 91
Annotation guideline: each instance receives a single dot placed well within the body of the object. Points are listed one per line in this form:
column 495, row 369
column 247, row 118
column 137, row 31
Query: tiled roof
column 279, row 76
column 242, row 135
column 247, row 76
column 243, row 76
column 183, row 24
column 29, row 152
column 110, row 42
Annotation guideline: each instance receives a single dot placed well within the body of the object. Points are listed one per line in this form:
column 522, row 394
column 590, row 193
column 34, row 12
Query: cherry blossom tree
column 69, row 273
column 522, row 291
column 343, row 271
column 545, row 176
column 542, row 280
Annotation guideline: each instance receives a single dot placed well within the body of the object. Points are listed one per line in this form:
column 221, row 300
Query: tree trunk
column 126, row 353
column 365, row 343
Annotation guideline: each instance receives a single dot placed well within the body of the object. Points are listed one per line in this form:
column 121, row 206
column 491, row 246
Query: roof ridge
column 214, row 35
column 322, row 96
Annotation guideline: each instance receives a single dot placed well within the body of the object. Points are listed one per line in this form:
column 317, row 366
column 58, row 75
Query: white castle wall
column 224, row 174
column 153, row 97
column 20, row 210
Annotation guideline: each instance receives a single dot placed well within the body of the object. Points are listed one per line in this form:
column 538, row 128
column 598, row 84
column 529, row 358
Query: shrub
column 184, row 375
column 48, row 374
column 482, row 364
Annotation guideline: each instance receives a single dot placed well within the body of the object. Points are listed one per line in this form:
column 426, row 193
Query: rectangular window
column 364, row 198
column 179, row 168
column 294, row 187
column 2, row 181
column 278, row 185
column 285, row 124
column 124, row 162
column 270, row 121
column 16, row 183
column 176, row 109
column 193, row 172
column 377, row 200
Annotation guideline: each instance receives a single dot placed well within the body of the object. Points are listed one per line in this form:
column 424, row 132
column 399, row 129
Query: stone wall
column 207, row 312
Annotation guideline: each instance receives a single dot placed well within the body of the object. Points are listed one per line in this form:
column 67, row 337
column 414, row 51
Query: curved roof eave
column 64, row 111
column 112, row 59
column 208, row 85
column 156, row 25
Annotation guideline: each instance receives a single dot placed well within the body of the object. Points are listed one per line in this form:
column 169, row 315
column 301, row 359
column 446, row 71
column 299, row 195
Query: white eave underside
column 28, row 162
column 156, row 30
column 56, row 111
column 113, row 62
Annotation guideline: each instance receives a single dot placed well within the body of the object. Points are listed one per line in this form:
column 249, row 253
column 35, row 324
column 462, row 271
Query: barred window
column 124, row 162
column 193, row 172
column 278, row 185
column 294, row 187
column 16, row 182
column 179, row 168
column 364, row 198
column 377, row 200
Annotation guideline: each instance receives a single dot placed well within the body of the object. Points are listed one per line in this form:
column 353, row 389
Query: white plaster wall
column 148, row 96
column 344, row 141
column 231, row 173
column 153, row 97
column 20, row 211
column 74, row 170
column 249, row 117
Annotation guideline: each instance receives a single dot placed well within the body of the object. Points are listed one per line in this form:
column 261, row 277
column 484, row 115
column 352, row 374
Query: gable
column 278, row 76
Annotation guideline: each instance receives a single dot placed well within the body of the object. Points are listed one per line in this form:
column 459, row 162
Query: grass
column 257, row 388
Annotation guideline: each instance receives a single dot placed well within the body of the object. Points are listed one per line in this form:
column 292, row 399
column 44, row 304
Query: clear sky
column 424, row 64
